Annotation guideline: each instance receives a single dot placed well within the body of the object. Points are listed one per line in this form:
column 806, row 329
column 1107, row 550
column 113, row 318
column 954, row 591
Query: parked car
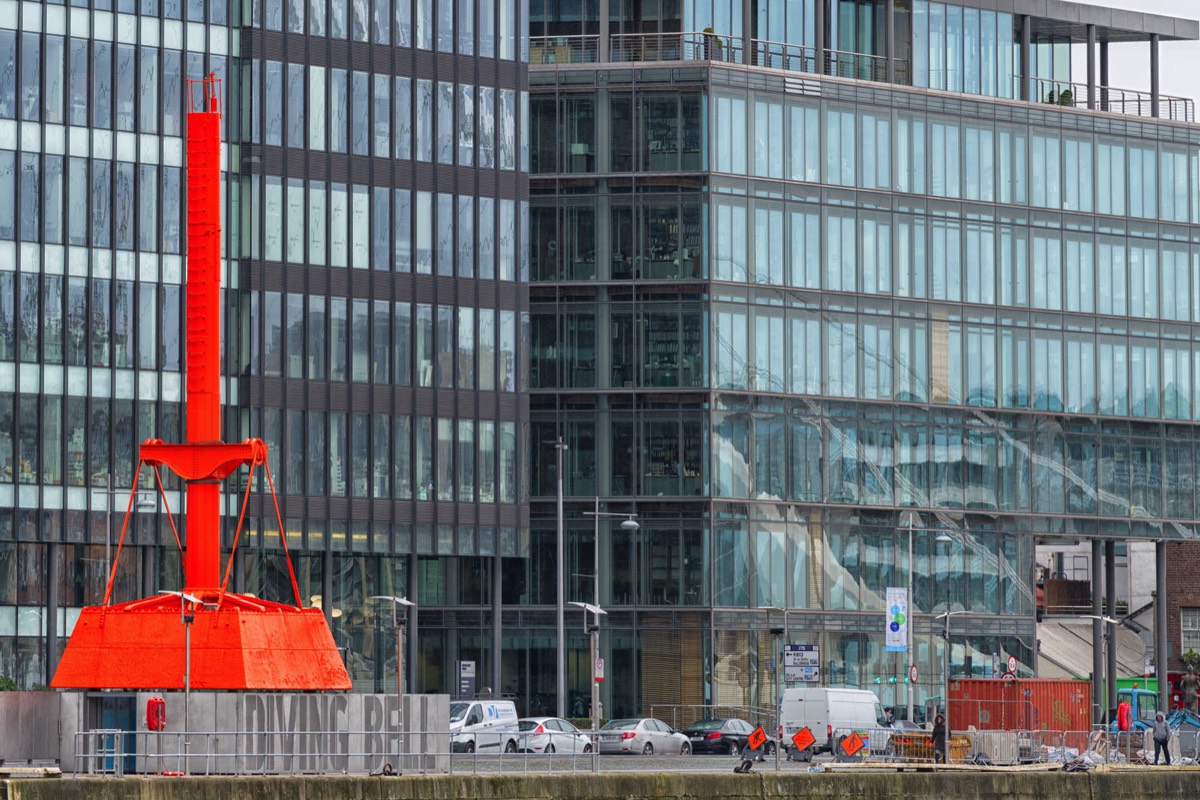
column 728, row 735
column 646, row 736
column 551, row 735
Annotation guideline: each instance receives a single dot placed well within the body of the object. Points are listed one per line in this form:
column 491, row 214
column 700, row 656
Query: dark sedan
column 722, row 736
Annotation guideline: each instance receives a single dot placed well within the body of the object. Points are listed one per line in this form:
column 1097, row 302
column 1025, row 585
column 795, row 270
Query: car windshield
column 706, row 725
column 620, row 725
column 458, row 711
column 527, row 724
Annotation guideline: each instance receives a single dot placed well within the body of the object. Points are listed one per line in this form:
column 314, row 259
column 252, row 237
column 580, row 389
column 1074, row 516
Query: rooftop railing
column 564, row 49
column 1108, row 98
column 689, row 46
column 707, row 46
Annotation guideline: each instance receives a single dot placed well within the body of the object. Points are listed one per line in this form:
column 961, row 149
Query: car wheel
column 769, row 749
column 587, row 748
column 648, row 750
column 470, row 747
column 549, row 749
column 511, row 747
column 685, row 749
column 734, row 749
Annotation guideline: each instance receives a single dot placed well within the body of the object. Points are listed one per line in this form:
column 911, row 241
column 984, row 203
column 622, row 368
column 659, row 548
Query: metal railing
column 1130, row 102
column 680, row 716
column 119, row 753
column 564, row 49
column 686, row 46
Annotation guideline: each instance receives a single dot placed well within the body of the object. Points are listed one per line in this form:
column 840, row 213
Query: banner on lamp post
column 897, row 619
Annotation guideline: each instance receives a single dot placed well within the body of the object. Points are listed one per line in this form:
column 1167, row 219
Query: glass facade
column 376, row 237
column 767, row 315
column 851, row 301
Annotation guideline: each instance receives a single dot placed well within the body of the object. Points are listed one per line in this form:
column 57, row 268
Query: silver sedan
column 550, row 735
column 645, row 735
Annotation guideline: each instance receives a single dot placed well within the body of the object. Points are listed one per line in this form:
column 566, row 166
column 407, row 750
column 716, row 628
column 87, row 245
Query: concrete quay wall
column 1001, row 785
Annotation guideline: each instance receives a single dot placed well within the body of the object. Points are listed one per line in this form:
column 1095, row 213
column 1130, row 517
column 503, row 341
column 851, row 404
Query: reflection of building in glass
column 376, row 218
column 798, row 267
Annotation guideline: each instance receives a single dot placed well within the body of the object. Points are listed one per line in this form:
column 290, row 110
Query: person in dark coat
column 1162, row 738
column 939, row 739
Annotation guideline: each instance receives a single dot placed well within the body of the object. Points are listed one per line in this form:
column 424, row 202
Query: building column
column 1110, row 611
column 890, row 40
column 327, row 584
column 1160, row 623
column 410, row 657
column 1091, row 67
column 819, row 26
column 53, row 550
column 148, row 571
column 1026, row 60
column 497, row 625
column 1154, row 97
column 602, row 45
column 748, row 9
column 1104, row 76
column 1097, row 638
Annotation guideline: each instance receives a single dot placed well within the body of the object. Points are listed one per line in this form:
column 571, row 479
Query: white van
column 488, row 725
column 831, row 714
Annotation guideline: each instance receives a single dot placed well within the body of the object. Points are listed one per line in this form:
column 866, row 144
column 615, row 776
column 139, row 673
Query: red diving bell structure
column 236, row 641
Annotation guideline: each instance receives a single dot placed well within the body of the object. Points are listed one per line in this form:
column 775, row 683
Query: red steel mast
column 237, row 642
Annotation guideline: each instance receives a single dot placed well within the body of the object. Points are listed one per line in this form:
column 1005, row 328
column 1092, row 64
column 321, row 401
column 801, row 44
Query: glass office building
column 842, row 295
column 376, row 309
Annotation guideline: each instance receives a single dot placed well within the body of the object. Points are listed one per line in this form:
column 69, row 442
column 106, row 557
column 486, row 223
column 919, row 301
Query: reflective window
column 316, row 108
column 402, row 130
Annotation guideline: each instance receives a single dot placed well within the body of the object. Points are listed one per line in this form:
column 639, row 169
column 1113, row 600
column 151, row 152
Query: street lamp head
column 630, row 525
column 589, row 607
column 944, row 538
column 404, row 601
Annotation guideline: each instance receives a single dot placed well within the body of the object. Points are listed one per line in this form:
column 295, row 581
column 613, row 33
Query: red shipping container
column 1020, row 704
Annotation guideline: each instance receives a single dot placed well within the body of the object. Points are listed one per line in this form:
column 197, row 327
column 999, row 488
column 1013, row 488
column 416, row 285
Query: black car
column 723, row 736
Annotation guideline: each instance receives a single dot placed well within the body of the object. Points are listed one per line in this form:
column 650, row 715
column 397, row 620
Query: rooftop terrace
column 1073, row 24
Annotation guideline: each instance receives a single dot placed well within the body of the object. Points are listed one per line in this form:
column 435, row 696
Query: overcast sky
column 1129, row 66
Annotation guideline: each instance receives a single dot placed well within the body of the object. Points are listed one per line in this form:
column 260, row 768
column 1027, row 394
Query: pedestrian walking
column 939, row 739
column 1162, row 738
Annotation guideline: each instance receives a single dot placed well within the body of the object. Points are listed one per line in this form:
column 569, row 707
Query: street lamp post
column 186, row 616
column 777, row 632
column 144, row 502
column 913, row 523
column 630, row 523
column 396, row 624
column 946, row 666
column 1106, row 647
column 560, row 651
column 593, row 631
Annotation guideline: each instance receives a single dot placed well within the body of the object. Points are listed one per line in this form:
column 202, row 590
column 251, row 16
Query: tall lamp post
column 398, row 623
column 187, row 615
column 144, row 501
column 913, row 522
column 560, row 651
column 593, row 631
column 778, row 632
column 630, row 523
column 1106, row 647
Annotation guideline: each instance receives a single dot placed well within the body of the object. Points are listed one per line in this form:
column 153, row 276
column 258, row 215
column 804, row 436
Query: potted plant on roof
column 713, row 46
